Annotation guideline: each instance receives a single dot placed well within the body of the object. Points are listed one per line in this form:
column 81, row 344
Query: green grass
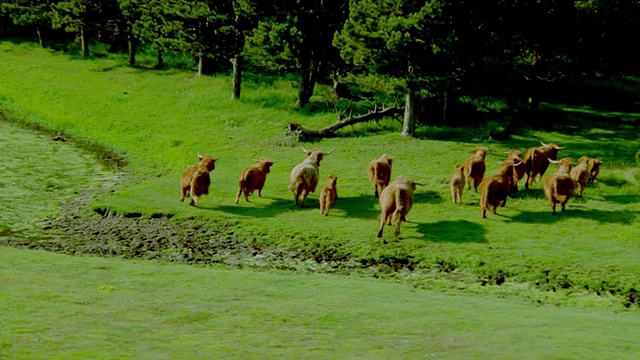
column 160, row 120
column 61, row 307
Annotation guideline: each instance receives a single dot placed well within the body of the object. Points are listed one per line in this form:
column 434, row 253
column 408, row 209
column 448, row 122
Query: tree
column 402, row 39
column 297, row 35
column 77, row 16
column 32, row 13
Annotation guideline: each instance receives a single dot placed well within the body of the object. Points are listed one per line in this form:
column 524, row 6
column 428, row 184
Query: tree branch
column 342, row 122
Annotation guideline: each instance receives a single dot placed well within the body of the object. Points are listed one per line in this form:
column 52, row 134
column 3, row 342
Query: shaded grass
column 160, row 120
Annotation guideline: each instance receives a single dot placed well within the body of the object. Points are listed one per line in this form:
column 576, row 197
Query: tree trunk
column 200, row 65
column 131, row 42
column 445, row 106
column 308, row 78
column 409, row 122
column 40, row 39
column 160, row 60
column 84, row 43
column 236, row 81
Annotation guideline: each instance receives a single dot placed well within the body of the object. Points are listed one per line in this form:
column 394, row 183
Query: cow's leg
column 528, row 182
column 238, row 194
column 184, row 191
column 564, row 203
column 553, row 206
column 303, row 197
column 194, row 200
column 398, row 223
column 383, row 219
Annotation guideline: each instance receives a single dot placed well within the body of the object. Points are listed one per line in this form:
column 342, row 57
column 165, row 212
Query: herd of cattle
column 396, row 198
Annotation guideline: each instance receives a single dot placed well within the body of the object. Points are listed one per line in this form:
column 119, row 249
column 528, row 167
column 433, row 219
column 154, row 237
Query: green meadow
column 552, row 282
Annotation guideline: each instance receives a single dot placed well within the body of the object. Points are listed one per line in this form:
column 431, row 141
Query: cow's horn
column 330, row 151
column 560, row 147
column 305, row 150
column 543, row 144
column 518, row 163
column 421, row 184
column 553, row 161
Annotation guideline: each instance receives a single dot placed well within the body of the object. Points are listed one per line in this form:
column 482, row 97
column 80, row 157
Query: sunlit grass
column 160, row 120
column 58, row 306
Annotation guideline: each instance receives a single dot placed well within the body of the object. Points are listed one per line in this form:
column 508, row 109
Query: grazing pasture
column 583, row 255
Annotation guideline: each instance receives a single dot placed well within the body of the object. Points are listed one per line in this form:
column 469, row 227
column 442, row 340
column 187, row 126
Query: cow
column 559, row 187
column 457, row 184
column 474, row 167
column 580, row 173
column 395, row 202
column 304, row 176
column 195, row 179
column 253, row 178
column 328, row 194
column 536, row 161
column 379, row 172
column 495, row 189
column 594, row 169
column 516, row 156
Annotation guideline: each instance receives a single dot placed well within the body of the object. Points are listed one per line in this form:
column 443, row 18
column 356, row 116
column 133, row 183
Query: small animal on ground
column 516, row 156
column 253, row 178
column 536, row 161
column 328, row 194
column 594, row 169
column 457, row 184
column 474, row 167
column 304, row 176
column 495, row 189
column 379, row 172
column 580, row 173
column 559, row 187
column 396, row 201
column 195, row 179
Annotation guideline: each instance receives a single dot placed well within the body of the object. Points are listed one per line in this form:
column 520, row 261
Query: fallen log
column 330, row 130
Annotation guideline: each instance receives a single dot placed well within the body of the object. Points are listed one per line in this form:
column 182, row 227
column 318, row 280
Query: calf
column 516, row 156
column 475, row 167
column 379, row 172
column 559, row 187
column 594, row 169
column 457, row 184
column 395, row 202
column 304, row 176
column 495, row 189
column 195, row 179
column 536, row 161
column 328, row 195
column 580, row 173
column 253, row 178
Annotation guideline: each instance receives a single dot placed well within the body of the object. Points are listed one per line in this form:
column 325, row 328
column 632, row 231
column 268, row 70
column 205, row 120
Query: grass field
column 587, row 257
column 62, row 307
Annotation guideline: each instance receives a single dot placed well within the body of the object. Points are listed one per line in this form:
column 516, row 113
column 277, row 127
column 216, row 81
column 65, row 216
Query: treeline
column 438, row 50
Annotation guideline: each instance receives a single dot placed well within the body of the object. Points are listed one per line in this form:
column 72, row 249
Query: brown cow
column 594, row 169
column 304, row 176
column 495, row 189
column 559, row 187
column 475, row 167
column 457, row 184
column 253, row 178
column 379, row 172
column 328, row 195
column 195, row 179
column 516, row 156
column 580, row 173
column 395, row 202
column 536, row 161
